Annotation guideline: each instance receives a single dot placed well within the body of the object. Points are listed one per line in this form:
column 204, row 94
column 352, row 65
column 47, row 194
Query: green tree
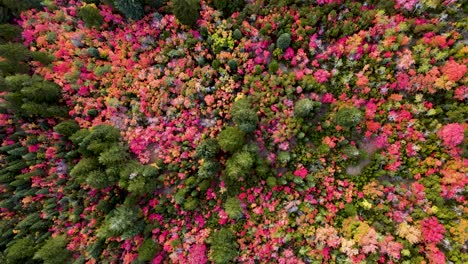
column 207, row 149
column 90, row 16
column 304, row 107
column 233, row 207
column 54, row 251
column 147, row 250
column 132, row 9
column 231, row 139
column 244, row 115
column 348, row 117
column 124, row 221
column 228, row 6
column 283, row 41
column 21, row 251
column 186, row 11
column 224, row 248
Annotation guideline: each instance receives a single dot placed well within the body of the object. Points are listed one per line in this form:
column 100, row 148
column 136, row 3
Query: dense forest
column 233, row 131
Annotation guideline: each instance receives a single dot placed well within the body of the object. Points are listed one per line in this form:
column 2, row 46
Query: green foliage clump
column 244, row 115
column 273, row 66
column 228, row 6
column 232, row 65
column 348, row 117
column 304, row 107
column 9, row 32
column 54, row 251
column 224, row 248
column 207, row 149
column 15, row 57
column 21, row 251
column 106, row 161
column 208, row 169
column 124, row 221
column 237, row 34
column 93, row 52
column 43, row 57
column 231, row 139
column 147, row 250
column 239, row 165
column 233, row 207
column 90, row 16
column 132, row 9
column 186, row 11
column 67, row 128
column 33, row 97
column 283, row 41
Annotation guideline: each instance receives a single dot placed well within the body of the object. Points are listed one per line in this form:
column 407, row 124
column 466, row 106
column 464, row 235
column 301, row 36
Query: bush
column 348, row 117
column 90, row 16
column 304, row 107
column 233, row 208
column 231, row 139
column 186, row 11
column 54, row 251
column 223, row 246
column 283, row 41
column 244, row 115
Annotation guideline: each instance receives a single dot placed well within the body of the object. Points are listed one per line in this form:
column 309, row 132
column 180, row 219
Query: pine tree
column 231, row 139
column 132, row 9
column 186, row 11
column 224, row 248
column 54, row 251
column 244, row 115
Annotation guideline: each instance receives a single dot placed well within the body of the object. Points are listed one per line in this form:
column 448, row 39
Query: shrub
column 304, row 107
column 186, row 11
column 54, row 251
column 244, row 116
column 231, row 139
column 132, row 9
column 348, row 117
column 283, row 41
column 233, row 208
column 90, row 16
